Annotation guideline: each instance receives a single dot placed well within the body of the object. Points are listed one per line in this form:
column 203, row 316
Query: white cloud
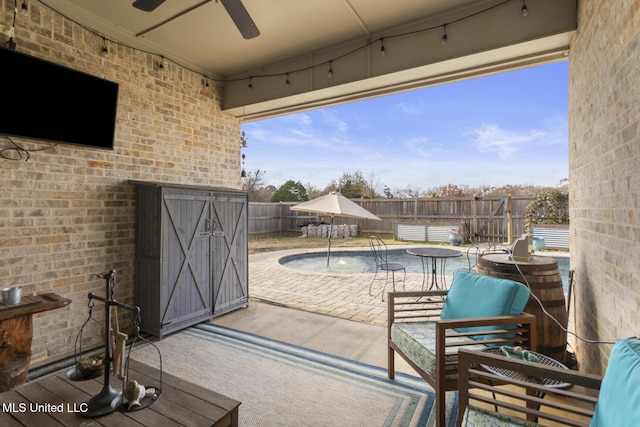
column 409, row 108
column 490, row 138
column 419, row 146
column 330, row 119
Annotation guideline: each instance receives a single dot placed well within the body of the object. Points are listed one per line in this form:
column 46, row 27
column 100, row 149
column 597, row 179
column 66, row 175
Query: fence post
column 475, row 218
column 509, row 220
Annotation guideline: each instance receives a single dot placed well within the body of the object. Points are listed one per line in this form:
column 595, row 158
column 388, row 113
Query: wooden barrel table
column 543, row 279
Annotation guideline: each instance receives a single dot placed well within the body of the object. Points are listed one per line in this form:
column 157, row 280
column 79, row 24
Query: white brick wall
column 68, row 212
column 604, row 152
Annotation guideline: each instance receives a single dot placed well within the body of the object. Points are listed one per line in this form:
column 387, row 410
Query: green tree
column 387, row 192
column 252, row 183
column 354, row 185
column 350, row 190
column 550, row 206
column 290, row 191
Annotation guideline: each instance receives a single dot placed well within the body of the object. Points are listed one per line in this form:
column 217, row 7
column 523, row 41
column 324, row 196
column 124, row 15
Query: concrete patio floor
column 332, row 313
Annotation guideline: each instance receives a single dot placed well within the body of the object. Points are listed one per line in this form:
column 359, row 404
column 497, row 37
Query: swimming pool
column 359, row 262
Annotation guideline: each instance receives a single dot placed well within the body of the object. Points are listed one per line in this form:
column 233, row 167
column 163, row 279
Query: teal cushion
column 477, row 295
column 619, row 398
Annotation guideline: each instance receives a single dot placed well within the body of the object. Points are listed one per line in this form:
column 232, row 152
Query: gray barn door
column 186, row 294
column 230, row 254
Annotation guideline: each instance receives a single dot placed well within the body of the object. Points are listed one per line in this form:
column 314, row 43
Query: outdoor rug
column 280, row 384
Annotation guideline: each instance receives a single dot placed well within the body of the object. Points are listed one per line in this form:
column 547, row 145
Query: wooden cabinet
column 191, row 254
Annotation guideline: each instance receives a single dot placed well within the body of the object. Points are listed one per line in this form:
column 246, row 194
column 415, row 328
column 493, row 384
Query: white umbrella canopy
column 334, row 204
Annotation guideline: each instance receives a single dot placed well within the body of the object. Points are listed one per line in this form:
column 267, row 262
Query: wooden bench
column 181, row 403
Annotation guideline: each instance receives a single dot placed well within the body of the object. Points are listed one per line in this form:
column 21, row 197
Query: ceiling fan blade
column 147, row 5
column 241, row 18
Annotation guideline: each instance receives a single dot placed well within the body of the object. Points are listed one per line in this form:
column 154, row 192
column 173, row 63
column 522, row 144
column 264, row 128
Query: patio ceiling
column 285, row 68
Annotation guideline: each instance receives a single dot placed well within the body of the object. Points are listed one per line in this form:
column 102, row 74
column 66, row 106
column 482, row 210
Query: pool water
column 357, row 262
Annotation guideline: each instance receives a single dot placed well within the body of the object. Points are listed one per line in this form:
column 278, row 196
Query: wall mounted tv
column 42, row 100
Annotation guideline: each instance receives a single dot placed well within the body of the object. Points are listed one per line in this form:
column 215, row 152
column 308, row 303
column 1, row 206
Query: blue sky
column 508, row 128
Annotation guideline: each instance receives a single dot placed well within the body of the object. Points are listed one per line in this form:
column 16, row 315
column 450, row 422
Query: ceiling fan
column 235, row 9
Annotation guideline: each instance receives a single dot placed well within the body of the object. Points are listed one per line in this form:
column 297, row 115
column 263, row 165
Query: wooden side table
column 16, row 333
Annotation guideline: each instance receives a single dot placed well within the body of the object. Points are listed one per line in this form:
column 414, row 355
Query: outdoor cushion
column 619, row 399
column 417, row 340
column 475, row 295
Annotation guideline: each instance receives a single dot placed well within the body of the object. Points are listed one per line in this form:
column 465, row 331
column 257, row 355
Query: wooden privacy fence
column 497, row 218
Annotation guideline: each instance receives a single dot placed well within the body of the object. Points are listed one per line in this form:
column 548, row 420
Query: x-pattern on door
column 186, row 260
column 191, row 254
column 230, row 251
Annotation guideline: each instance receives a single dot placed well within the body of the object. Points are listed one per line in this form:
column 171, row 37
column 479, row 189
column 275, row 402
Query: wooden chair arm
column 525, row 331
column 486, row 321
column 414, row 305
column 571, row 404
column 417, row 294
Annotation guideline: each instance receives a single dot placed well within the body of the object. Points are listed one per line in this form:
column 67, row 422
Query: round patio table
column 434, row 254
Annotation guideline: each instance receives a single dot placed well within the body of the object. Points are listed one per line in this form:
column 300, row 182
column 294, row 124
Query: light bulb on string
column 444, row 36
column 330, row 73
column 383, row 52
column 525, row 10
column 287, row 82
column 250, row 85
column 24, row 9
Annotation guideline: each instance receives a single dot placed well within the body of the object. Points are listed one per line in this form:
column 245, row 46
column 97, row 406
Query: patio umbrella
column 334, row 204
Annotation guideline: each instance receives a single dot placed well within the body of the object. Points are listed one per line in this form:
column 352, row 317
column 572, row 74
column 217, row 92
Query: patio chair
column 475, row 250
column 380, row 255
column 520, row 397
column 427, row 328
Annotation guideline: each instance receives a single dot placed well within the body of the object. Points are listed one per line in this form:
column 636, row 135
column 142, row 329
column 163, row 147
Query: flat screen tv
column 45, row 101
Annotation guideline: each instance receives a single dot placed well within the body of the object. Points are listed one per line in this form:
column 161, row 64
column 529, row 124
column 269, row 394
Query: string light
column 287, row 82
column 525, row 10
column 250, row 85
column 11, row 43
column 243, row 174
column 443, row 41
column 24, row 8
column 105, row 47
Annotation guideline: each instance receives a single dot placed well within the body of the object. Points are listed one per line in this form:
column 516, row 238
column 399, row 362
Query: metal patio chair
column 380, row 254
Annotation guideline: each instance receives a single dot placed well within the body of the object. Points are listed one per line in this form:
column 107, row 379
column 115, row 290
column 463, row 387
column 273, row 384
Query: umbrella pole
column 330, row 233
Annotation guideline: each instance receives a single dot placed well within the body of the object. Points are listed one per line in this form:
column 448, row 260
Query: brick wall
column 67, row 213
column 604, row 128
